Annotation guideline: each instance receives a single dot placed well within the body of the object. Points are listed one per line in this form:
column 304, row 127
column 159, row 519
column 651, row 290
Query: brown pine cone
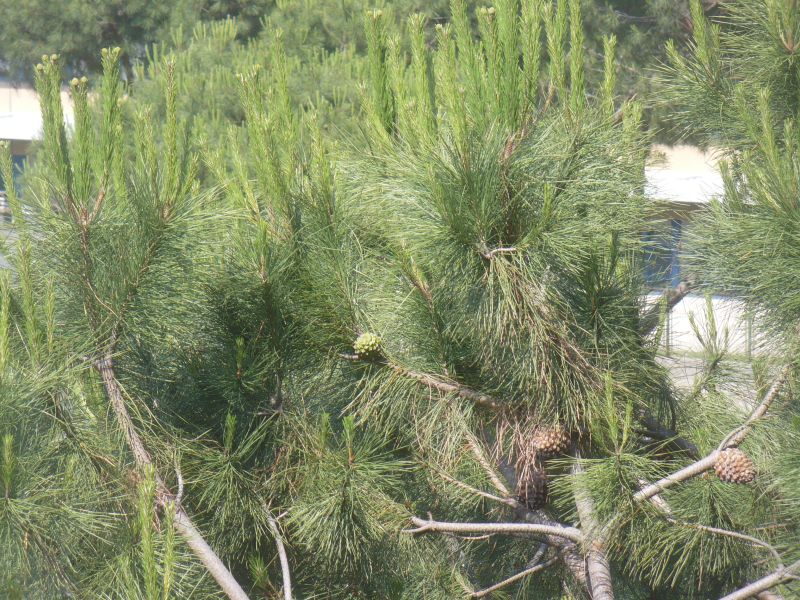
column 734, row 466
column 550, row 441
column 533, row 491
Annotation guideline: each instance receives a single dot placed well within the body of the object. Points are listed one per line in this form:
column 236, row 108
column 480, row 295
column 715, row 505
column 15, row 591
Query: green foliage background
column 221, row 230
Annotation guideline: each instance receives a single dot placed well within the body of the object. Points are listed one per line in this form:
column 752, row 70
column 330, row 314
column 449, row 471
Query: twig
column 487, row 467
column 285, row 573
column 733, row 534
column 437, row 383
column 423, row 526
column 735, row 438
column 179, row 477
column 777, row 577
column 514, row 578
column 657, row 430
column 476, row 491
column 490, row 254
column 447, row 387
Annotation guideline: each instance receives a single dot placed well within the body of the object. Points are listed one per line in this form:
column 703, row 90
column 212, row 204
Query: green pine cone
column 366, row 344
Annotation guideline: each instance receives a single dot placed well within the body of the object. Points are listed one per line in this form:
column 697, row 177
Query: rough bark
column 597, row 566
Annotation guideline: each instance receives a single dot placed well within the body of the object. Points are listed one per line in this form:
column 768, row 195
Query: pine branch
column 736, row 437
column 777, row 577
column 649, row 320
column 285, row 573
column 477, row 451
column 438, row 383
column 652, row 425
column 473, row 490
column 732, row 534
column 663, row 507
column 183, row 524
column 514, row 578
column 422, row 526
column 597, row 564
column 567, row 550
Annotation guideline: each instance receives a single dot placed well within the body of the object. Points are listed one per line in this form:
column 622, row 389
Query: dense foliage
column 407, row 358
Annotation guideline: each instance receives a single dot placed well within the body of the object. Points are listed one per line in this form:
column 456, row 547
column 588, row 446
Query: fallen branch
column 777, row 577
column 285, row 573
column 183, row 524
column 736, row 437
column 514, row 578
column 423, row 526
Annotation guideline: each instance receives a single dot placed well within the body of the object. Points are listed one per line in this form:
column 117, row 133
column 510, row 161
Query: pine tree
column 411, row 364
column 737, row 91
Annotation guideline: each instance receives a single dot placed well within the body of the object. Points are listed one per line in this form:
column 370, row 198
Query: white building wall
column 685, row 176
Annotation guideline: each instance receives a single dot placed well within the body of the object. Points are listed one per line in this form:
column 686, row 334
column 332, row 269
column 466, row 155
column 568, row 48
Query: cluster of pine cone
column 548, row 442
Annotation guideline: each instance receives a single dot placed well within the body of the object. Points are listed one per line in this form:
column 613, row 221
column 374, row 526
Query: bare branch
column 515, row 578
column 735, row 438
column 179, row 477
column 777, row 577
column 422, row 526
column 194, row 539
column 285, row 573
